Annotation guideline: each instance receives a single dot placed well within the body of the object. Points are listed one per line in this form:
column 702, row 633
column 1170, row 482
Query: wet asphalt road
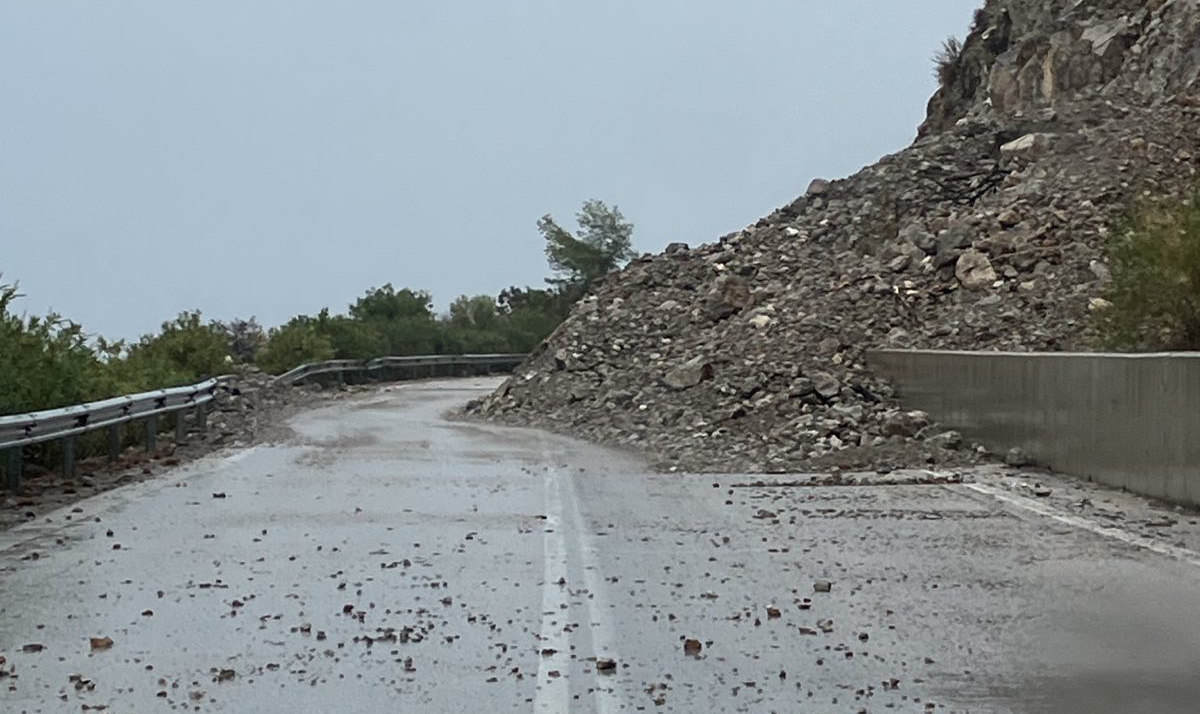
column 384, row 559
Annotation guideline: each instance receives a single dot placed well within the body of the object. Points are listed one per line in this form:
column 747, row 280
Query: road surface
column 385, row 559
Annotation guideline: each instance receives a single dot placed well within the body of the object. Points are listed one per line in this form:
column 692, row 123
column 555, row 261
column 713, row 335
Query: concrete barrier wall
column 1130, row 421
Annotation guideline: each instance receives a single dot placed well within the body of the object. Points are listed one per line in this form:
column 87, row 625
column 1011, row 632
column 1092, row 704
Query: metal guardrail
column 20, row 430
column 340, row 369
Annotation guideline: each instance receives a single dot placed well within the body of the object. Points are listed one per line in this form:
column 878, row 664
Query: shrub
column 296, row 343
column 44, row 361
column 349, row 338
column 945, row 61
column 187, row 348
column 48, row 362
column 1153, row 299
column 245, row 338
column 409, row 335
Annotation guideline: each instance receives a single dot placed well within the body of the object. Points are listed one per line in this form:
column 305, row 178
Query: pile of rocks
column 249, row 406
column 986, row 233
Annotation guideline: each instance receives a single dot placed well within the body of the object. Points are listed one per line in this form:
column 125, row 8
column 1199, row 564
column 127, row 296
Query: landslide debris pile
column 247, row 405
column 986, row 233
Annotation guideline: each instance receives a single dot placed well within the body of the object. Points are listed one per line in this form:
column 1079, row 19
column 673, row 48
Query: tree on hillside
column 350, row 338
column 388, row 303
column 245, row 337
column 514, row 299
column 478, row 312
column 403, row 320
column 473, row 325
column 296, row 343
column 529, row 315
column 603, row 243
column 185, row 347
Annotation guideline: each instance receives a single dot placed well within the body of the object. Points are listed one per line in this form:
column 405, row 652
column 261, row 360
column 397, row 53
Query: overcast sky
column 248, row 157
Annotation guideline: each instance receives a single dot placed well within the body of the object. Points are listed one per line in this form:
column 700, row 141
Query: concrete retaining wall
column 1130, row 421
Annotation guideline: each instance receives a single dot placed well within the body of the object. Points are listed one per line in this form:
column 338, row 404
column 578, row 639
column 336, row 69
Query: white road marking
column 553, row 693
column 563, row 515
column 1188, row 556
column 607, row 696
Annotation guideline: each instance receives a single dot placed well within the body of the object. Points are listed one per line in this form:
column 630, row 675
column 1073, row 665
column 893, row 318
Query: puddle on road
column 1128, row 648
column 1114, row 692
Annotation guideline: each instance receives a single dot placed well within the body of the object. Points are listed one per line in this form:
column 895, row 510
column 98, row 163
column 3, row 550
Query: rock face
column 986, row 233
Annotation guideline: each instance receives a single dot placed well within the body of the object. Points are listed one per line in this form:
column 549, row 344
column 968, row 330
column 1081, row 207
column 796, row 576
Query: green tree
column 529, row 315
column 296, row 343
column 349, row 337
column 187, row 347
column 1153, row 300
column 403, row 320
column 472, row 326
column 603, row 243
column 245, row 338
column 478, row 312
column 387, row 303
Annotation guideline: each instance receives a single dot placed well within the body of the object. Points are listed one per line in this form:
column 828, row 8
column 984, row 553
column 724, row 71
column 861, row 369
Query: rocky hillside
column 986, row 233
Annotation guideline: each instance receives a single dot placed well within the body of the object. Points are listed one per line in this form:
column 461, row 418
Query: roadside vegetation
column 946, row 61
column 50, row 361
column 1153, row 299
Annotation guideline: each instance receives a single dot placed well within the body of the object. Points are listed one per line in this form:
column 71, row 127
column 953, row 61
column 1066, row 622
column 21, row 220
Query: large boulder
column 730, row 295
column 689, row 374
column 974, row 271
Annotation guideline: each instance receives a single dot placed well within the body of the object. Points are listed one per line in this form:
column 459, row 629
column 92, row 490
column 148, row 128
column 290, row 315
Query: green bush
column 530, row 311
column 186, row 346
column 464, row 341
column 245, row 338
column 350, row 338
column 44, row 361
column 1153, row 299
column 48, row 362
column 296, row 343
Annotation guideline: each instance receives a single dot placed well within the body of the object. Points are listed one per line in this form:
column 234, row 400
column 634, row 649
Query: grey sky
column 267, row 158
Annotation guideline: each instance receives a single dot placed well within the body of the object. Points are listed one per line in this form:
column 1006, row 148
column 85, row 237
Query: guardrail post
column 13, row 473
column 152, row 433
column 202, row 417
column 114, row 442
column 180, row 427
column 69, row 457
